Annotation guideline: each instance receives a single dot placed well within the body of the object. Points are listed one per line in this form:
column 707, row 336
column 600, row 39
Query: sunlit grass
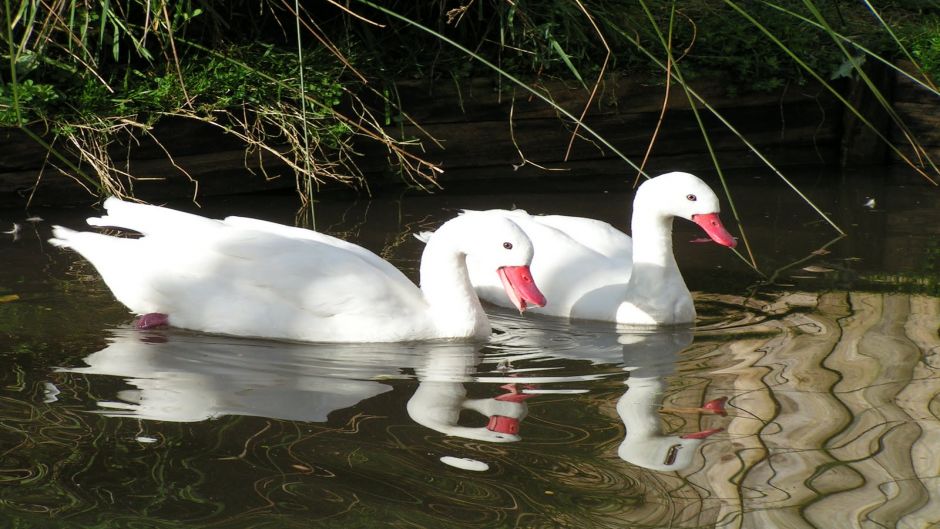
column 305, row 87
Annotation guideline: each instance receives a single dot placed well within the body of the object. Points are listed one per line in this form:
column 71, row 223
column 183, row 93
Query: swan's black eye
column 691, row 198
column 507, row 245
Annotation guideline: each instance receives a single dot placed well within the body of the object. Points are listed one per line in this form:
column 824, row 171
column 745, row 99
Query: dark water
column 830, row 375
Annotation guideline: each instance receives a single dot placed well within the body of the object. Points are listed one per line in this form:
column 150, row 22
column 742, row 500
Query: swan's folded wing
column 597, row 235
column 594, row 235
column 311, row 275
column 310, row 235
column 151, row 220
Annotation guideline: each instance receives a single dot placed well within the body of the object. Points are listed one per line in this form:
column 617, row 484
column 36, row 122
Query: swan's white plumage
column 255, row 278
column 590, row 270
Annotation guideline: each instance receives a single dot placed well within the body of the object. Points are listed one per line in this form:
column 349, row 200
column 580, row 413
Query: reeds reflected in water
column 835, row 421
column 832, row 420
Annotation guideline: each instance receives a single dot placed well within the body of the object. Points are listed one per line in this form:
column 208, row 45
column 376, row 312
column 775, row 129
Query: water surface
column 829, row 374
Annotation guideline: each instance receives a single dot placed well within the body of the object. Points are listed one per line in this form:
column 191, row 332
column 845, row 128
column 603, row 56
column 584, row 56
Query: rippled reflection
column 832, row 392
column 650, row 357
column 184, row 377
column 831, row 415
column 441, row 395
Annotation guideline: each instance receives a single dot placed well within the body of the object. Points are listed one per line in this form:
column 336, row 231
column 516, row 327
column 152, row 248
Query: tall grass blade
column 925, row 83
column 702, row 101
column 507, row 76
column 14, row 86
column 308, row 184
column 897, row 41
column 808, row 69
column 882, row 100
column 672, row 69
column 566, row 59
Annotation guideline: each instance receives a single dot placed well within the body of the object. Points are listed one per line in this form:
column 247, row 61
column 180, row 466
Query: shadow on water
column 810, row 402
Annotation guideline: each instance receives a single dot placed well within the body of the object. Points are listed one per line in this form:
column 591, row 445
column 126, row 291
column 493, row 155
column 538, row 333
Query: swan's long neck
column 638, row 407
column 653, row 259
column 656, row 288
column 452, row 303
column 652, row 237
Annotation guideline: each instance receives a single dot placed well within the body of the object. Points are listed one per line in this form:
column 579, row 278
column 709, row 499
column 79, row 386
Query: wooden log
column 919, row 110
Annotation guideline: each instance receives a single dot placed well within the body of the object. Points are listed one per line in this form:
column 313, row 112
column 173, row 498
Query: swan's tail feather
column 423, row 236
column 90, row 245
column 147, row 219
column 62, row 237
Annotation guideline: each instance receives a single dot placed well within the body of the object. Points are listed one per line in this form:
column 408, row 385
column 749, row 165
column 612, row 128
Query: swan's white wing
column 594, row 235
column 233, row 280
column 301, row 233
column 597, row 235
column 161, row 221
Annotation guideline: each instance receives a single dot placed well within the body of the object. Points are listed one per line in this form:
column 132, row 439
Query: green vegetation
column 303, row 80
column 87, row 78
column 925, row 45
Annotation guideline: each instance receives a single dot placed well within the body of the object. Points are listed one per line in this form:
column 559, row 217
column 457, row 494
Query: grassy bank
column 305, row 82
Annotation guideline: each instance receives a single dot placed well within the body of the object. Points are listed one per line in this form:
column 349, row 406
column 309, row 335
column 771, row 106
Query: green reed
column 86, row 80
column 305, row 82
column 750, row 46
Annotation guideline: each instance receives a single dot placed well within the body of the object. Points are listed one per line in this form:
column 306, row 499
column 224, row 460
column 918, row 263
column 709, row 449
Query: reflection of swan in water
column 649, row 357
column 184, row 377
column 441, row 396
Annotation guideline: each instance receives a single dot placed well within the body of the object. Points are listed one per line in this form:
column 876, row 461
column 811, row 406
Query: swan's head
column 663, row 453
column 684, row 195
column 499, row 244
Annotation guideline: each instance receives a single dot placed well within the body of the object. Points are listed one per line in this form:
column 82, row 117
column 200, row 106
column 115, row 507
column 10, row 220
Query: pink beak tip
column 521, row 289
column 711, row 223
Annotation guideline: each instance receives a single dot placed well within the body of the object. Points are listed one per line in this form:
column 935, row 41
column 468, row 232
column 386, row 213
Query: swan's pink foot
column 152, row 320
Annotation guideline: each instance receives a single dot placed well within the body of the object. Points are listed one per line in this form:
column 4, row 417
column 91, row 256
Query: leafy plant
column 925, row 45
column 91, row 76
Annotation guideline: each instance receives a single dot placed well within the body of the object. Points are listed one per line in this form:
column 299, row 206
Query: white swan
column 249, row 277
column 590, row 270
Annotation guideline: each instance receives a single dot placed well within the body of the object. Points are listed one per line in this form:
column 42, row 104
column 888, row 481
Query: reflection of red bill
column 716, row 406
column 519, row 286
column 715, row 229
column 514, row 394
column 701, row 435
column 503, row 424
